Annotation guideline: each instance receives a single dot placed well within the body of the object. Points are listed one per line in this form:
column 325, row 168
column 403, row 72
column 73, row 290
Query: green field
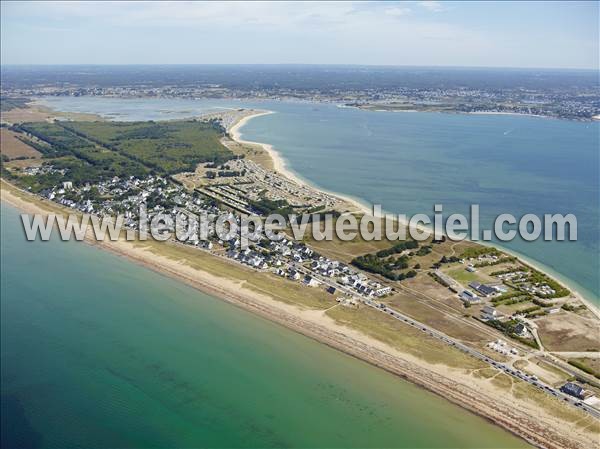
column 460, row 274
column 169, row 147
column 82, row 160
column 96, row 151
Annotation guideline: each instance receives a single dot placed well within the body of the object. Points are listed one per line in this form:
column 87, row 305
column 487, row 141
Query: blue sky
column 504, row 34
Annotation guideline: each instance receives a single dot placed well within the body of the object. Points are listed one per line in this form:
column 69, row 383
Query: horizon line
column 597, row 69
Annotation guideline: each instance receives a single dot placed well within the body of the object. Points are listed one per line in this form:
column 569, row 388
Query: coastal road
column 548, row 357
column 532, row 380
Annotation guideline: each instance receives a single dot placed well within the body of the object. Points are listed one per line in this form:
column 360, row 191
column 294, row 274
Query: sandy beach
column 528, row 420
column 280, row 166
column 519, row 413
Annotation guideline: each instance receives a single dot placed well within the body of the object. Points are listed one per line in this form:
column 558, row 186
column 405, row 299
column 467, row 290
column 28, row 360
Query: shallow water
column 97, row 352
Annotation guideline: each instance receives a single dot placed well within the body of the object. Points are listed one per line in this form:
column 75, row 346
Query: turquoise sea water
column 407, row 162
column 97, row 352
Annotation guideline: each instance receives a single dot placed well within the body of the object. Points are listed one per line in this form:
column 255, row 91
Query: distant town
column 558, row 94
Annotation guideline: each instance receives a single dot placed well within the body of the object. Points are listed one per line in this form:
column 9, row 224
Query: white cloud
column 162, row 13
column 397, row 12
column 302, row 32
column 432, row 5
column 278, row 32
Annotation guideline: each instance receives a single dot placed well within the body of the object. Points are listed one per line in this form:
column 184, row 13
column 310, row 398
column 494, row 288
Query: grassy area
column 503, row 381
column 544, row 371
column 521, row 364
column 253, row 152
column 402, row 337
column 479, row 251
column 565, row 331
column 430, row 314
column 13, row 148
column 587, row 365
column 426, row 255
column 554, row 406
column 509, row 309
column 459, row 274
column 485, row 373
column 347, row 250
column 265, row 283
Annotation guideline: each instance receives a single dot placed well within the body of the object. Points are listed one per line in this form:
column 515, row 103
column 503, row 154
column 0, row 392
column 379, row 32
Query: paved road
column 547, row 356
column 460, row 346
column 478, row 355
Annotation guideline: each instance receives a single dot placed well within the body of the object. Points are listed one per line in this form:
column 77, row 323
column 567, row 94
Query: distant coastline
column 373, row 107
column 382, row 108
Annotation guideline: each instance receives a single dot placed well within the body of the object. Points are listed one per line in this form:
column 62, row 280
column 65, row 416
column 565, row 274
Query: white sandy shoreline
column 280, row 165
column 470, row 393
column 528, row 420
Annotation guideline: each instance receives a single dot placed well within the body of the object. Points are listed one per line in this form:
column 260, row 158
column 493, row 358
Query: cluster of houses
column 126, row 196
column 259, row 181
column 43, row 169
column 250, row 257
column 538, row 289
column 522, row 278
column 321, row 267
column 482, row 259
column 514, row 276
column 287, row 258
column 364, row 286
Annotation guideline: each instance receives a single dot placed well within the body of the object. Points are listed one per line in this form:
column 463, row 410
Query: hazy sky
column 537, row 34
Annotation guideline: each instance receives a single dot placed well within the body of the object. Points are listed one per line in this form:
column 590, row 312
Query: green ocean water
column 97, row 352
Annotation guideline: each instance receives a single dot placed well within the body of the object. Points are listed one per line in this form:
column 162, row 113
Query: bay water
column 407, row 162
